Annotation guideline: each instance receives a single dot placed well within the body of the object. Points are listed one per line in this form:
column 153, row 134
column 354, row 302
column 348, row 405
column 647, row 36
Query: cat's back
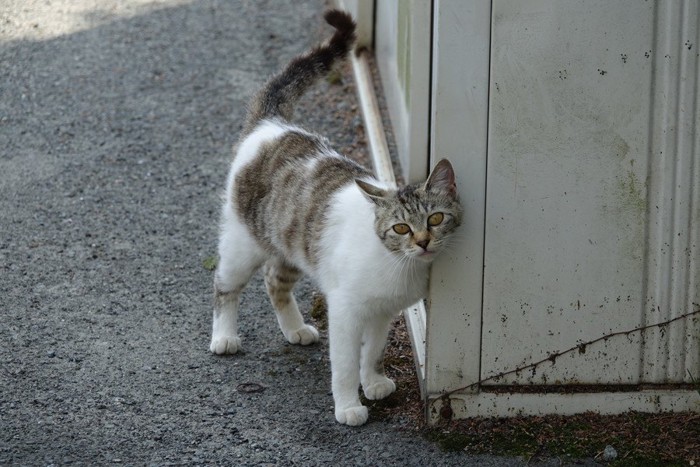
column 282, row 182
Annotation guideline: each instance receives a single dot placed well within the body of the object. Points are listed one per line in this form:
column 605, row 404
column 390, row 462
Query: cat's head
column 417, row 220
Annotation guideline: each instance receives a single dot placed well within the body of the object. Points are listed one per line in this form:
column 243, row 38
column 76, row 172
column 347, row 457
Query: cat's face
column 418, row 220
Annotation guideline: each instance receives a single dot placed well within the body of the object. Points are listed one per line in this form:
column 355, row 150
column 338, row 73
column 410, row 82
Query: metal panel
column 458, row 132
column 586, row 216
column 568, row 177
column 673, row 353
column 402, row 46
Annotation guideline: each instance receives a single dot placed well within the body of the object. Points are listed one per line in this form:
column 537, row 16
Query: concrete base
column 489, row 404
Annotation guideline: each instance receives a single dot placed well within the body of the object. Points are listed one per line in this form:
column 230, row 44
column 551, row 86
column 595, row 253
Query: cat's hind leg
column 375, row 384
column 239, row 258
column 280, row 278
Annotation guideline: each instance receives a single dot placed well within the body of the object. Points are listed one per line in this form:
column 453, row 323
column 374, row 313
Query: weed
column 209, row 263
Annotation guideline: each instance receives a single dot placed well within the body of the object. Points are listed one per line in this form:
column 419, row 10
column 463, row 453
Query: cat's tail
column 279, row 95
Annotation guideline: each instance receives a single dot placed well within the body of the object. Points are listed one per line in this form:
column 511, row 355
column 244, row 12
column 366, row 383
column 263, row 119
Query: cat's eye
column 436, row 219
column 401, row 229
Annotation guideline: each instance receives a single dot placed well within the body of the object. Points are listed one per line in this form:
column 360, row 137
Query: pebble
column 609, row 453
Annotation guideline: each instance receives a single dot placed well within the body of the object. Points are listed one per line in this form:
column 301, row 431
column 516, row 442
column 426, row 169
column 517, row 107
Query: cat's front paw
column 305, row 335
column 379, row 389
column 225, row 345
column 352, row 416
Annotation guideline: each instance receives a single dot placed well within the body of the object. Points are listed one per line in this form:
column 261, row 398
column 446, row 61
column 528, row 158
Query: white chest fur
column 356, row 261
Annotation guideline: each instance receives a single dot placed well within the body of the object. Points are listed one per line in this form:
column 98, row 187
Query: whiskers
column 402, row 272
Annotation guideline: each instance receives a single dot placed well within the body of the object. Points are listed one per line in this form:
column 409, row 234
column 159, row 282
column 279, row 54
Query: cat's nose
column 423, row 244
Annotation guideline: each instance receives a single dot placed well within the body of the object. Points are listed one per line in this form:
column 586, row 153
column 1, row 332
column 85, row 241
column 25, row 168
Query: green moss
column 513, row 444
column 209, row 263
column 646, row 462
column 632, row 193
column 562, row 437
column 449, row 441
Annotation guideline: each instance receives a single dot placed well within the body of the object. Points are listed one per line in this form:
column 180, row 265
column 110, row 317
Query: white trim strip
column 378, row 148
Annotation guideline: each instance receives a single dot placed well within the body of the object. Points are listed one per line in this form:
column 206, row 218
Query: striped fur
column 283, row 195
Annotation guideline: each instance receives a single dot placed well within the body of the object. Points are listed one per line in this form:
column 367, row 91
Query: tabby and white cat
column 294, row 205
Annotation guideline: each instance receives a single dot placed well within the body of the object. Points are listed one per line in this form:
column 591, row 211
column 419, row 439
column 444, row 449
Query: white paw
column 305, row 335
column 352, row 416
column 379, row 389
column 225, row 345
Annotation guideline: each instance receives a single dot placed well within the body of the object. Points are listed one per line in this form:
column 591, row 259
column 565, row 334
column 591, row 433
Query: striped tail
column 279, row 95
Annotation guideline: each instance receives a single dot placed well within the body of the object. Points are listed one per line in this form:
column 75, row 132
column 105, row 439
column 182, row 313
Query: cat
column 293, row 205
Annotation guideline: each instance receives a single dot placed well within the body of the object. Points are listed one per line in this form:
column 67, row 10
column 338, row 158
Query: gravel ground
column 116, row 122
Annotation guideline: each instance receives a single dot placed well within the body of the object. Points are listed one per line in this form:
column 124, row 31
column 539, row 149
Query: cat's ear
column 373, row 193
column 442, row 178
